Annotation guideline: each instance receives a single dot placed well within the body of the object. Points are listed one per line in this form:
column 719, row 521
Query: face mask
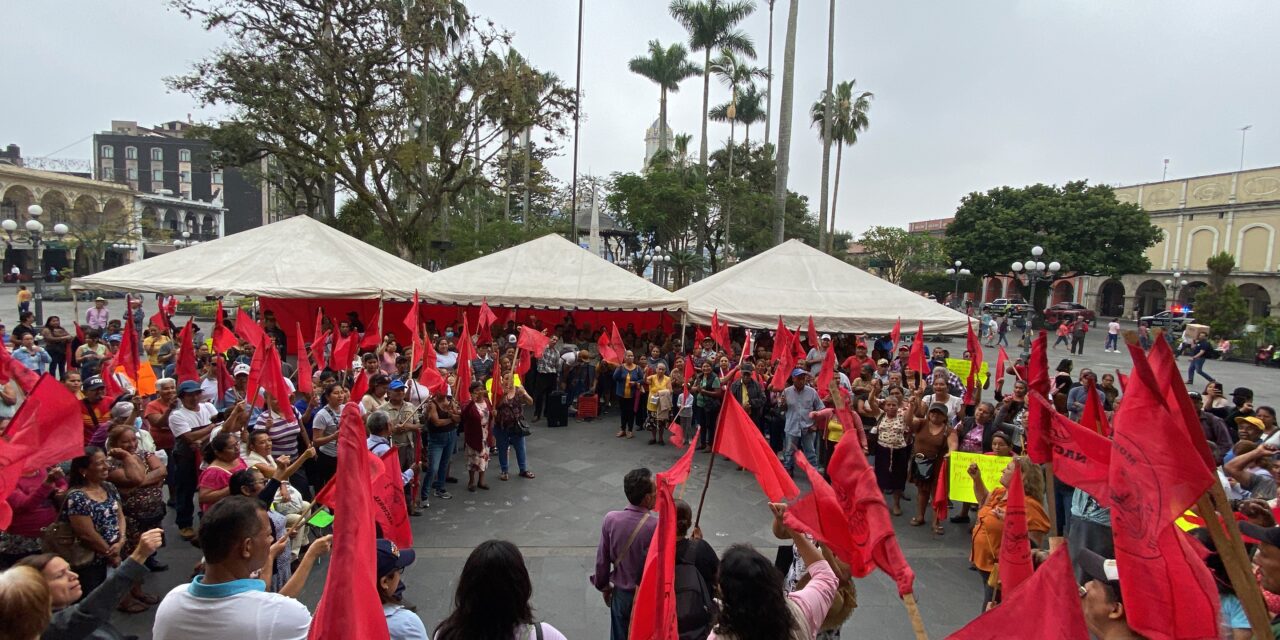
column 448, row 334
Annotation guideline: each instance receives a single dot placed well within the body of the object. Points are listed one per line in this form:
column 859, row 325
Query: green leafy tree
column 712, row 26
column 667, row 68
column 900, row 253
column 1081, row 226
column 1220, row 304
column 939, row 285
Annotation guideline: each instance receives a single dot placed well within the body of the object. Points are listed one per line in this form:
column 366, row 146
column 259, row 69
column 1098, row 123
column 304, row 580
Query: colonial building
column 1236, row 212
column 651, row 141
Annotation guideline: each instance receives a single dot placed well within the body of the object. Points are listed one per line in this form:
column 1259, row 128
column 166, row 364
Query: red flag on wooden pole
column 916, row 360
column 463, row 391
column 485, row 320
column 413, row 322
column 249, row 330
column 1051, row 593
column 186, row 369
column 223, row 339
column 819, row 514
column 826, row 374
column 813, row 335
column 1015, row 547
column 360, row 386
column 974, row 347
column 355, row 610
column 128, row 353
column 1039, row 418
column 855, row 485
column 1094, row 416
column 305, row 383
column 940, row 502
column 653, row 614
column 895, row 336
column 1002, row 359
column 740, row 440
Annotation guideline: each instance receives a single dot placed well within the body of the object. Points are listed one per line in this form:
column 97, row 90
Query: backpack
column 695, row 609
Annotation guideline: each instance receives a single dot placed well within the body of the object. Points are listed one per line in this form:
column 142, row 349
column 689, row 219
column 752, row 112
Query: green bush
column 204, row 309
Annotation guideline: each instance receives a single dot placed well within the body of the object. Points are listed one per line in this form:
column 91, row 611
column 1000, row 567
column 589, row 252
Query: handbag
column 59, row 538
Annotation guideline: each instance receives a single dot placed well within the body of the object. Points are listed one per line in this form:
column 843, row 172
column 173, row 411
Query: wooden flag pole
column 1231, row 550
column 913, row 612
column 1051, row 501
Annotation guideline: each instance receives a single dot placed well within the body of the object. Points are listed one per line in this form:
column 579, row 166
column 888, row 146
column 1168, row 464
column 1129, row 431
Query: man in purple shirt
column 97, row 316
column 624, row 543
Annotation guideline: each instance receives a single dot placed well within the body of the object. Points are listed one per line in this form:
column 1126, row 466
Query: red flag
column 390, row 509
column 1081, row 457
column 186, row 369
column 615, row 342
column 940, row 502
column 484, row 321
column 739, row 439
column 720, row 332
column 1001, row 360
column 223, row 339
column 826, row 374
column 974, row 346
column 1122, row 379
column 110, row 384
column 495, row 383
column 895, row 336
column 161, row 318
column 1015, row 547
column 354, row 611
column 1170, row 592
column 799, row 351
column 318, row 339
column 1094, row 417
column 304, row 365
column 781, row 374
column 249, row 331
column 465, row 353
column 1051, row 593
column 653, row 614
column 360, row 386
column 677, row 433
column 916, row 359
column 819, row 514
column 266, row 373
column 781, row 341
column 698, row 337
column 413, row 322
column 606, row 350
column 813, row 335
column 523, row 361
column 225, row 381
column 1169, row 380
column 45, row 431
column 128, row 353
column 15, row 370
column 532, row 340
column 689, row 371
column 372, row 338
column 855, row 485
column 430, row 378
column 344, row 351
column 1039, row 420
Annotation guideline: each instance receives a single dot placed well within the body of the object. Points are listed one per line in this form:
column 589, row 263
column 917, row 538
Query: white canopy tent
column 295, row 258
column 796, row 281
column 548, row 273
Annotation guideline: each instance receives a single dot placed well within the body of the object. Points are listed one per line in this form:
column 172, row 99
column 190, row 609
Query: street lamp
column 956, row 274
column 35, row 230
column 184, row 242
column 660, row 261
column 1174, row 285
column 1035, row 271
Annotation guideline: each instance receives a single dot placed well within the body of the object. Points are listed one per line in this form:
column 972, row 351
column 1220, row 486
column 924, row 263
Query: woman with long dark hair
column 56, row 341
column 93, row 509
column 754, row 604
column 492, row 600
column 324, row 433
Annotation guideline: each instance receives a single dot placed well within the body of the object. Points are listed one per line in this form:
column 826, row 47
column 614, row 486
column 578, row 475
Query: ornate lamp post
column 1035, row 271
column 35, row 231
column 956, row 274
column 1175, row 285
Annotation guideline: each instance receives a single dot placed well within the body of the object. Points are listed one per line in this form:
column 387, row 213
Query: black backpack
column 695, row 609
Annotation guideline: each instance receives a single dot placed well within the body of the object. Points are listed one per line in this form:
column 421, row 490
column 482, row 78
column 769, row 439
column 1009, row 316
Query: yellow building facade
column 1237, row 212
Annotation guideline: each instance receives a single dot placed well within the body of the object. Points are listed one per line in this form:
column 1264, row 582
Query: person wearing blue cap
column 800, row 400
column 402, row 624
column 406, row 425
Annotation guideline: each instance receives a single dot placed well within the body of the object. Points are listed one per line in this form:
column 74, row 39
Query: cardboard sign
column 960, row 485
column 961, row 368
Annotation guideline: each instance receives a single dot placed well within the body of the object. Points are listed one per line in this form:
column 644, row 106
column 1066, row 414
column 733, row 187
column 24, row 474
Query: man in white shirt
column 817, row 354
column 191, row 422
column 1113, row 336
column 235, row 536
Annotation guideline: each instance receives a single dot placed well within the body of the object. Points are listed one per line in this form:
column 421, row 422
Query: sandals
column 631, row 434
column 527, row 474
column 620, row 434
column 917, row 521
column 483, row 486
column 471, row 488
column 937, row 529
column 503, row 476
column 132, row 606
column 146, row 598
column 897, row 511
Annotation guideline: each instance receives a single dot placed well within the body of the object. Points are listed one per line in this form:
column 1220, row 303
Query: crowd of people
column 241, row 474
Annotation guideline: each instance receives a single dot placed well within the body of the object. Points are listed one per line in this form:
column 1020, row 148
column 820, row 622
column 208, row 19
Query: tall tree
column 748, row 111
column 681, row 143
column 331, row 85
column 784, row 126
column 768, row 88
column 667, row 68
column 849, row 117
column 1220, row 304
column 734, row 72
column 711, row 26
column 826, row 128
column 899, row 253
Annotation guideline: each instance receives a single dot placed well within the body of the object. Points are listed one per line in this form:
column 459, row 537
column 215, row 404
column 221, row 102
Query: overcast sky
column 970, row 94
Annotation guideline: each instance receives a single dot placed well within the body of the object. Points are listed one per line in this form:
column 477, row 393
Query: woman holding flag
column 928, row 449
column 989, row 530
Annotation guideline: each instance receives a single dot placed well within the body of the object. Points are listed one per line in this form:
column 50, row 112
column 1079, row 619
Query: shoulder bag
column 59, row 538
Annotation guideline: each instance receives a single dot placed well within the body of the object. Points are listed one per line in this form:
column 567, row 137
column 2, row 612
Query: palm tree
column 681, row 147
column 666, row 67
column 749, row 111
column 733, row 72
column 784, row 126
column 826, row 127
column 710, row 24
column 849, row 116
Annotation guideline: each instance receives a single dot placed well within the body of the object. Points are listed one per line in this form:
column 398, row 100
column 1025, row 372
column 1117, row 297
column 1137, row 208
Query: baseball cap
column 1257, row 422
column 94, row 382
column 825, row 336
column 881, row 361
column 121, row 410
column 99, row 299
column 391, row 558
column 395, row 385
column 1105, row 570
column 1242, row 392
column 798, row 372
column 240, row 369
column 938, row 406
column 188, row 386
column 747, row 367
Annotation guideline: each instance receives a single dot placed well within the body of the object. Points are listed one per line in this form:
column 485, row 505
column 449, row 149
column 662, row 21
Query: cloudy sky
column 970, row 94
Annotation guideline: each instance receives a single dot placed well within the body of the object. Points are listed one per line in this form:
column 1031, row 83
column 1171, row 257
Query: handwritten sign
column 960, row 485
column 961, row 368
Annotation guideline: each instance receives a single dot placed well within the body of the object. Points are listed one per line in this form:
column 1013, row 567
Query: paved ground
column 555, row 521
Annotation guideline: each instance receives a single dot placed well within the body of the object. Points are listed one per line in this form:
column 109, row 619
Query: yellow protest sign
column 961, row 368
column 960, row 485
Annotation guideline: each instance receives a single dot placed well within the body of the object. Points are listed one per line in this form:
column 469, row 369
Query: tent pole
column 684, row 328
